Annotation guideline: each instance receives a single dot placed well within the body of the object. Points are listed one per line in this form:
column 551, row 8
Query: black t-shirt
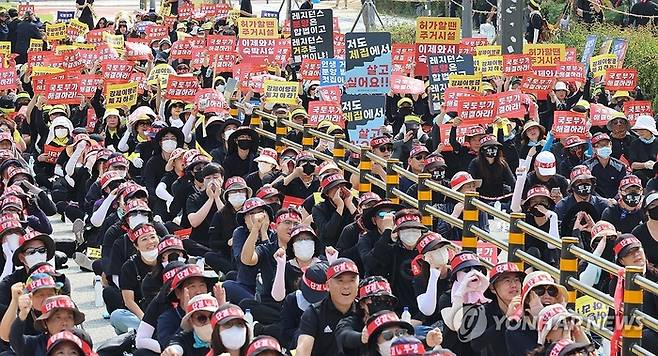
column 194, row 203
column 320, row 321
column 623, row 220
column 267, row 266
column 556, row 181
column 298, row 189
column 648, row 243
column 642, row 152
column 132, row 275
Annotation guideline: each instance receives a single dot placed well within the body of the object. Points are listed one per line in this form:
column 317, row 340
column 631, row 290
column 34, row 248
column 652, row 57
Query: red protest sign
column 319, row 111
column 88, row 84
column 181, row 88
column 546, row 72
column 116, row 71
column 88, row 57
column 62, row 91
column 54, row 60
column 339, row 45
column 37, row 58
column 569, row 123
column 181, row 49
column 452, row 94
column 571, row 72
column 330, row 93
column 292, row 202
column 137, row 51
column 223, row 62
column 283, row 50
column 95, row 37
column 445, row 129
column 141, row 79
column 106, row 52
column 8, row 79
column 570, row 55
column 156, row 32
column 485, row 250
column 423, row 50
column 509, row 104
column 635, row 108
column 255, row 82
column 22, row 8
column 72, row 60
column 467, row 45
column 52, row 152
column 244, row 71
column 401, row 84
column 210, row 100
column 600, row 114
column 310, row 69
column 404, row 58
column 621, row 79
column 534, row 84
column 169, row 21
column 476, row 109
column 186, row 10
column 517, row 64
column 39, row 81
column 399, row 50
column 220, row 44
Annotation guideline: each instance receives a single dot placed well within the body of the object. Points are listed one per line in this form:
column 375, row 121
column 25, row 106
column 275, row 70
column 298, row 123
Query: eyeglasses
column 390, row 334
column 382, row 214
column 385, row 148
column 32, row 251
column 541, row 290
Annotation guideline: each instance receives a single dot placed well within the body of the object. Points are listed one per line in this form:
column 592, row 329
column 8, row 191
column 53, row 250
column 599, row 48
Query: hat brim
column 467, row 264
column 39, row 323
column 369, row 213
column 478, row 184
column 210, row 282
column 239, row 217
column 312, row 296
column 552, row 322
column 624, row 251
column 185, row 322
column 335, row 184
column 266, row 159
column 409, row 225
column 47, row 240
column 493, row 279
column 436, row 244
column 234, row 188
column 650, row 129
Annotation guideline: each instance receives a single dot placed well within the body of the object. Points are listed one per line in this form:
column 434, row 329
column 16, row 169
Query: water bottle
column 406, row 316
column 250, row 321
column 98, row 288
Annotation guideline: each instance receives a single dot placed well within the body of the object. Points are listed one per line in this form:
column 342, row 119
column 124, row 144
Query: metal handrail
column 539, row 234
column 491, row 210
column 405, row 173
column 646, row 284
column 591, row 291
column 405, row 197
column 639, row 350
column 647, row 320
column 453, row 194
column 376, row 181
column 453, row 221
column 487, row 236
column 591, row 258
column 537, row 263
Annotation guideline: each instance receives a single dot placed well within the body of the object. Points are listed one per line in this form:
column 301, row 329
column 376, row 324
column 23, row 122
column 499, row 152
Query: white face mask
column 133, row 221
column 234, row 337
column 330, row 145
column 264, row 167
column 220, row 88
column 304, row 249
column 61, row 133
column 35, row 258
column 227, row 134
column 409, row 236
column 169, row 145
column 268, row 106
column 204, row 332
column 180, row 259
column 237, row 199
column 150, row 255
column 12, row 241
column 176, row 122
column 123, row 173
column 438, row 257
column 385, row 347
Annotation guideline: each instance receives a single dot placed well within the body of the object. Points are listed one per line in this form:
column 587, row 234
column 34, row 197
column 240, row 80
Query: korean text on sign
column 121, row 95
column 319, row 111
column 477, row 109
column 621, row 79
column 278, row 92
column 438, row 30
column 258, row 28
column 545, row 55
column 569, row 123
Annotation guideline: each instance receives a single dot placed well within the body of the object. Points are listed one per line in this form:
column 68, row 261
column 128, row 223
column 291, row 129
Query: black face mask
column 405, row 110
column 275, row 207
column 653, row 214
column 198, row 177
column 534, row 211
column 174, row 257
column 244, row 144
column 490, row 152
column 439, row 175
column 309, row 168
column 632, row 199
column 583, row 189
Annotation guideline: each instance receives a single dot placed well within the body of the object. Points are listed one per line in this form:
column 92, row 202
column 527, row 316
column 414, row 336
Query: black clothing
column 320, row 321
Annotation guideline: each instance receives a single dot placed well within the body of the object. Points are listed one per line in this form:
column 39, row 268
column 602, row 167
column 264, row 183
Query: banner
column 181, row 88
column 445, row 129
column 39, row 80
column 472, row 82
column 311, row 34
column 635, row 108
column 539, row 86
column 618, row 48
column 62, row 91
column 404, row 59
column 114, row 41
column 545, row 55
column 599, row 64
column 319, row 111
column 116, row 71
column 477, row 109
column 278, row 92
column 368, row 62
column 22, row 8
column 96, row 36
column 121, row 95
column 56, row 31
column 269, row 14
column 364, row 116
column 452, row 95
column 443, row 30
column 283, row 51
column 156, row 32
column 401, row 84
column 8, row 79
column 35, row 45
column 65, row 16
column 72, row 61
column 339, row 45
column 491, row 50
column 621, row 79
column 310, row 69
column 76, row 28
column 509, row 104
column 569, row 123
column 441, row 66
column 489, row 66
column 244, row 71
column 486, row 251
column 600, row 114
column 517, row 64
column 253, row 27
column 593, row 310
column 181, row 49
column 571, row 72
column 332, row 71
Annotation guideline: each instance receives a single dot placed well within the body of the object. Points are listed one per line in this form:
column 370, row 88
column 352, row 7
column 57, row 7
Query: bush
column 641, row 53
column 402, row 32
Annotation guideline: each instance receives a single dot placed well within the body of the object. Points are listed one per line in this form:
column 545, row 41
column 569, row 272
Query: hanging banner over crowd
column 368, row 62
column 364, row 116
column 569, row 123
column 332, row 71
column 311, row 34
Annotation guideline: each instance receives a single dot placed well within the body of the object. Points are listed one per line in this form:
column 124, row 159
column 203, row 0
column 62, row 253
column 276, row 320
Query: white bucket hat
column 645, row 122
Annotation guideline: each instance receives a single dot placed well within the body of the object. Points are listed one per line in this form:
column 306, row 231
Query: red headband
column 318, row 287
column 407, row 218
column 202, row 303
column 223, row 314
column 289, row 216
column 347, row 266
column 374, row 287
column 459, row 259
column 625, row 242
column 407, row 349
column 381, row 320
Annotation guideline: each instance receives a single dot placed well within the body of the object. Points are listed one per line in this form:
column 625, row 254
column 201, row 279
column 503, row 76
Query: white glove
column 138, row 162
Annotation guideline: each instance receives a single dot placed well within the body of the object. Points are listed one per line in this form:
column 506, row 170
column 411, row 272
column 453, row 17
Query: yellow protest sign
column 114, row 41
column 467, row 81
column 160, row 74
column 443, row 30
column 38, row 70
column 35, row 45
column 249, row 27
column 120, row 95
column 489, row 66
column 77, row 28
column 592, row 309
column 65, row 48
column 94, row 253
column 5, row 48
column 280, row 92
column 89, row 46
column 56, row 31
column 599, row 64
column 492, row 50
column 232, row 17
column 545, row 55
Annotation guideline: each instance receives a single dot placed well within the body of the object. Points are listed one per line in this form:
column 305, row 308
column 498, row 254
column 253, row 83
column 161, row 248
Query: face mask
column 309, row 169
column 33, row 259
column 150, row 255
column 491, row 152
column 409, row 236
column 237, row 199
column 169, row 145
column 120, row 213
column 583, row 189
column 123, row 174
column 176, row 122
column 438, row 175
column 227, row 134
column 244, row 144
column 304, row 249
column 268, row 106
column 534, row 211
column 653, row 214
column 12, row 241
column 264, row 167
column 133, row 221
column 198, row 176
column 438, row 257
column 204, row 332
column 648, row 141
column 632, row 199
column 385, row 347
column 275, row 206
column 233, row 338
column 61, row 133
column 604, row 152
column 174, row 257
column 330, row 145
column 532, row 144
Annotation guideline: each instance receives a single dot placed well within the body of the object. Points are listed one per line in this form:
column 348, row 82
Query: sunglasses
column 390, row 334
column 201, row 319
column 541, row 290
column 386, row 148
column 32, row 251
column 420, row 157
column 382, row 214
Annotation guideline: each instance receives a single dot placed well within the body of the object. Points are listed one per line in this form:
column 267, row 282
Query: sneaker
column 83, row 261
column 78, row 231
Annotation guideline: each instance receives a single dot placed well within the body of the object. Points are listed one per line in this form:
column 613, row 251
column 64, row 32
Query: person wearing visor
column 643, row 150
column 573, row 154
column 75, row 342
column 187, row 185
column 603, row 235
column 555, row 323
column 430, row 270
column 382, row 329
column 170, row 249
column 195, row 328
column 230, row 334
column 539, row 208
column 264, row 346
column 382, row 147
column 581, row 184
column 267, row 163
column 405, row 108
column 336, row 211
column 608, row 170
column 462, row 182
column 435, row 165
column 545, row 173
column 415, row 164
column 302, row 181
column 627, row 213
column 464, row 154
column 378, row 221
column 490, row 167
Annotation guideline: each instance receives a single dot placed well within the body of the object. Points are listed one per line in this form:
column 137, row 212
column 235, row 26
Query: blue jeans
column 122, row 320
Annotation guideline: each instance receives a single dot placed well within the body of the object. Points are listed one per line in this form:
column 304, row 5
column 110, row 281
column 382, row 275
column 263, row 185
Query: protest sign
column 252, row 49
column 121, row 95
column 72, row 61
column 96, row 36
column 364, row 116
column 181, row 49
column 114, row 41
column 441, row 66
column 470, row 81
column 401, row 84
column 569, row 123
column 282, row 51
column 62, row 91
column 452, row 95
column 509, row 104
column 545, row 71
column 461, row 132
column 24, row 7
column 223, row 62
column 280, row 92
column 539, row 86
column 424, row 50
column 256, row 82
column 39, row 80
column 600, row 114
column 339, row 45
column 491, row 50
column 599, row 64
column 52, row 152
column 468, row 45
column 244, row 71
column 116, row 70
column 621, row 79
column 311, row 34
column 140, row 78
column 573, row 72
column 368, row 62
column 570, row 55
column 517, row 64
column 476, row 109
column 545, row 55
column 181, row 88
column 310, row 69
column 593, row 310
column 35, row 45
column 88, row 84
column 635, row 108
column 489, row 66
column 253, row 27
column 220, row 44
column 332, row 71
column 137, row 51
column 8, row 79
column 440, row 30
column 5, row 48
column 37, row 58
column 210, row 101
column 269, row 14
column 56, row 31
column 330, row 93
column 76, row 28
column 64, row 16
column 319, row 111
column 618, row 48
column 486, row 251
column 156, row 32
column 404, row 58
